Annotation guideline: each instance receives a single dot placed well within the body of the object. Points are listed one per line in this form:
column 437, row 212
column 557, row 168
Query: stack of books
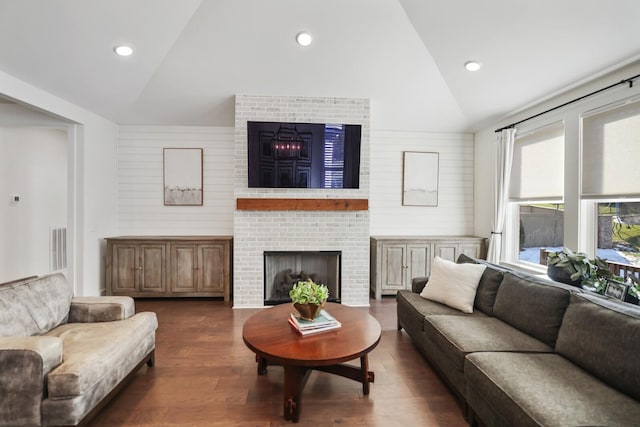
column 323, row 323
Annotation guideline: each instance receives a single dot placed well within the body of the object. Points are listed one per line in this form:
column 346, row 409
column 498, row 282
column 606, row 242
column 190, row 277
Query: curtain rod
column 621, row 82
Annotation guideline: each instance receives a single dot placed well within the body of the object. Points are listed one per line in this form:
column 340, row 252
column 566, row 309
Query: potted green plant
column 569, row 267
column 575, row 268
column 308, row 298
column 633, row 290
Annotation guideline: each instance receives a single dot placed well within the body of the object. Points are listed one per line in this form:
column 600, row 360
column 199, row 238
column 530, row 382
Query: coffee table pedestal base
column 295, row 378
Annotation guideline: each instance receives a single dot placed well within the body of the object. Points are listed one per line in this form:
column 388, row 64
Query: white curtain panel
column 504, row 160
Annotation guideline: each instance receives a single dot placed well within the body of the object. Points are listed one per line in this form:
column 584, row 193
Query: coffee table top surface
column 269, row 335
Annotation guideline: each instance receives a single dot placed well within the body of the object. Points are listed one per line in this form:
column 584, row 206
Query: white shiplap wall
column 454, row 213
column 141, row 209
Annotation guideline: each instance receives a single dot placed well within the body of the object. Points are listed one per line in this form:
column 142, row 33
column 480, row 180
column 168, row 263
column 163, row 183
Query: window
column 610, row 150
column 541, row 227
column 535, row 191
column 611, row 178
column 618, row 236
column 585, row 195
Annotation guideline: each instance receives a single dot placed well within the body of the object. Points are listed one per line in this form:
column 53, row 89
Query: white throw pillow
column 453, row 284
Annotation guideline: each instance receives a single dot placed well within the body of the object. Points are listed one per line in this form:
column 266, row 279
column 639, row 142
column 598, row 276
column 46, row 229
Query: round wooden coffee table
column 269, row 335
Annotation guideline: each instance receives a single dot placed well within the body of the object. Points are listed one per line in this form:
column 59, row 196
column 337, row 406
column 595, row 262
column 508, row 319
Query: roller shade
column 610, row 152
column 538, row 165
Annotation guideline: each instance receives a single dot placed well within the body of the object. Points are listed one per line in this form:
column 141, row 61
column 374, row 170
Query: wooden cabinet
column 396, row 260
column 199, row 268
column 169, row 266
column 451, row 249
column 401, row 262
column 138, row 267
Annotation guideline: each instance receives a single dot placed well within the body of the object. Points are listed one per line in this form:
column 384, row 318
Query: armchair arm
column 24, row 365
column 418, row 284
column 100, row 309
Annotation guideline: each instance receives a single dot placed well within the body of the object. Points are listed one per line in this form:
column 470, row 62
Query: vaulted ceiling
column 192, row 56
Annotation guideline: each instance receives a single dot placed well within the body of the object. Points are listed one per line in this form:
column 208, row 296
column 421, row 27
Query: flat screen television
column 303, row 155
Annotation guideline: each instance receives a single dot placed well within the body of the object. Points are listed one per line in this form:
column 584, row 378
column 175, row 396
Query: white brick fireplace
column 290, row 230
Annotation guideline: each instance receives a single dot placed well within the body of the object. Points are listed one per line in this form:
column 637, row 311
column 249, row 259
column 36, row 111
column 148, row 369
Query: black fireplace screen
column 282, row 270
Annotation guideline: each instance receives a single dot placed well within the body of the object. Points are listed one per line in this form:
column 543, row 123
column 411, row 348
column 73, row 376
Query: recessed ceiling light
column 303, row 38
column 472, row 65
column 123, row 50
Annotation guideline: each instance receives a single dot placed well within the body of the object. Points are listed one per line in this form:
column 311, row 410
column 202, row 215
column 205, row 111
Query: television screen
column 303, row 155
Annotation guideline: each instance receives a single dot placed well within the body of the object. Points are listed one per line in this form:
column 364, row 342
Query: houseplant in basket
column 573, row 268
column 308, row 298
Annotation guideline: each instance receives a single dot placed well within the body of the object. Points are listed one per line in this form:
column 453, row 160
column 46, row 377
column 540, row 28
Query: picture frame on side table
column 420, row 178
column 616, row 290
column 182, row 176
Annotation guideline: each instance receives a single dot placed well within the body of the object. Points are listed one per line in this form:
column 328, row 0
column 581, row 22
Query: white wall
column 92, row 173
column 141, row 209
column 33, row 166
column 454, row 213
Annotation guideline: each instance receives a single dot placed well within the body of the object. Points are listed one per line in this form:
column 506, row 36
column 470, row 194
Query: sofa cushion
column 95, row 350
column 534, row 307
column 457, row 336
column 34, row 307
column 529, row 389
column 418, row 284
column 603, row 337
column 412, row 308
column 489, row 283
column 453, row 284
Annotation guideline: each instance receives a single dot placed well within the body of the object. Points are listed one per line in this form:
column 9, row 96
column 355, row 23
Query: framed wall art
column 420, row 178
column 182, row 176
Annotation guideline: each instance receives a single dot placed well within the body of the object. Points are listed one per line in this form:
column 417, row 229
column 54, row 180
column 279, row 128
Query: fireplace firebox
column 283, row 269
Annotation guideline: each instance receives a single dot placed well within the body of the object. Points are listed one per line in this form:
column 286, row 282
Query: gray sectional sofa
column 532, row 353
column 62, row 358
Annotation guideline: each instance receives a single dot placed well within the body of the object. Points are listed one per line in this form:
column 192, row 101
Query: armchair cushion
column 100, row 309
column 95, row 350
column 34, row 307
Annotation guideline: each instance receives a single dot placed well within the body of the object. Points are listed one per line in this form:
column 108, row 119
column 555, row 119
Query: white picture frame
column 616, row 290
column 182, row 176
column 420, row 172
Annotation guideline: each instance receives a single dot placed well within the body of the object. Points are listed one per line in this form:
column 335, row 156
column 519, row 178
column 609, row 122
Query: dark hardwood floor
column 205, row 376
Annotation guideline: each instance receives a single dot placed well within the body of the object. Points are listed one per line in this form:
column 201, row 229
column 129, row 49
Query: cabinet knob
column 138, row 268
column 196, row 268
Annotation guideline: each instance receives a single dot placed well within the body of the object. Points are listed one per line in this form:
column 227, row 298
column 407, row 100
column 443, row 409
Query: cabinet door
column 470, row 249
column 211, row 264
column 153, row 265
column 124, row 269
column 393, row 266
column 184, row 273
column 419, row 264
column 448, row 251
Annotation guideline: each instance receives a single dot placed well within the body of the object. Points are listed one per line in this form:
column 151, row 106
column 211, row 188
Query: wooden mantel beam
column 246, row 204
